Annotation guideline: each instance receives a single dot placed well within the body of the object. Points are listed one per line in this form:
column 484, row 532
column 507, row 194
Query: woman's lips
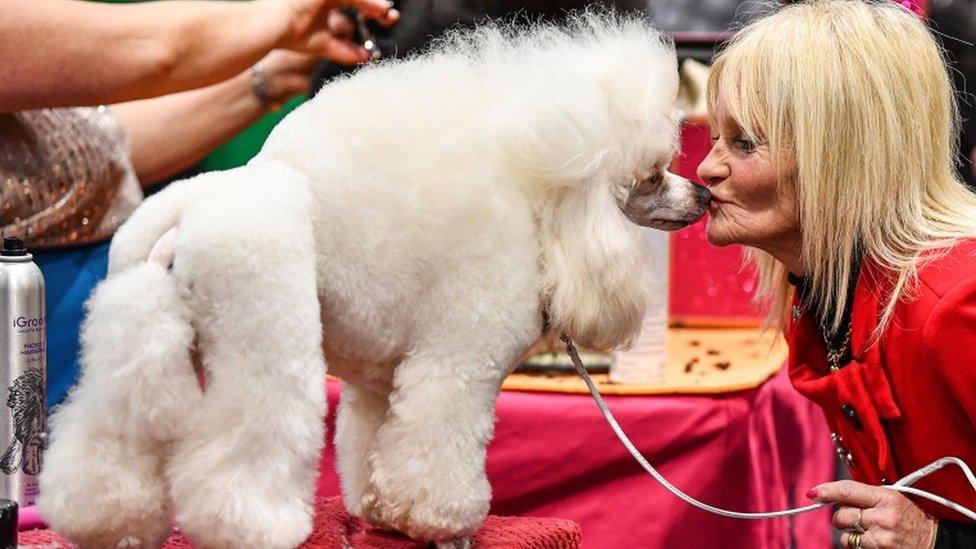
column 715, row 205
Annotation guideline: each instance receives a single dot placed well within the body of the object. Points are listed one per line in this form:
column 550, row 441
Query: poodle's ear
column 559, row 148
column 595, row 267
column 556, row 141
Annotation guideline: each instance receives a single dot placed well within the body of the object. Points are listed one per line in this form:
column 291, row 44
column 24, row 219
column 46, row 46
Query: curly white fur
column 407, row 225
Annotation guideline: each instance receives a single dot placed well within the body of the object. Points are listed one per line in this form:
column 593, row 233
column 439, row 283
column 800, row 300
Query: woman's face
column 751, row 203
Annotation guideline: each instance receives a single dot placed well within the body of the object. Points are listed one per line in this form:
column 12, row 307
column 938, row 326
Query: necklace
column 834, row 355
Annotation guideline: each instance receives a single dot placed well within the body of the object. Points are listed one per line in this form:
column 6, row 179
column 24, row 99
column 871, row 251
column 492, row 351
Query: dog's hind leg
column 361, row 412
column 243, row 472
column 102, row 482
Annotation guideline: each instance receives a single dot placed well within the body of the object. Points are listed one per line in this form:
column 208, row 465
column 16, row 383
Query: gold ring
column 854, row 540
column 857, row 523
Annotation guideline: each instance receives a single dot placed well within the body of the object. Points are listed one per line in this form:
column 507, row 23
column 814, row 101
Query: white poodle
column 407, row 227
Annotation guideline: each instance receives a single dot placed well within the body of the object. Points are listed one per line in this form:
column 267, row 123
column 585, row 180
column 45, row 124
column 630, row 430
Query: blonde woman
column 833, row 160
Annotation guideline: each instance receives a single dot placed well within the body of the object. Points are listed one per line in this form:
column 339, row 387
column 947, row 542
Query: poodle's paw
column 100, row 491
column 360, row 503
column 129, row 542
column 113, row 533
column 123, row 524
column 233, row 506
column 243, row 517
column 228, row 526
column 458, row 543
column 430, row 511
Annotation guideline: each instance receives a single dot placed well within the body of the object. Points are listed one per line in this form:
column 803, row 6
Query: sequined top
column 65, row 176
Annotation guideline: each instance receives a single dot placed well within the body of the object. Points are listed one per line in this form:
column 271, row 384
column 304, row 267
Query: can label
column 23, row 359
column 25, row 399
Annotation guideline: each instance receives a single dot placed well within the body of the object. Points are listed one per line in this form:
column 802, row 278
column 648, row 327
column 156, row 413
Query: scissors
column 369, row 41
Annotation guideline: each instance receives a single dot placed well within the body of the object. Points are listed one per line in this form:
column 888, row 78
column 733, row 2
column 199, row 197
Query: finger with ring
column 852, row 518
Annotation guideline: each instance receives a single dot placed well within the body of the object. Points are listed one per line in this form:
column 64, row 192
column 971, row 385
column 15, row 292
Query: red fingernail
column 812, row 494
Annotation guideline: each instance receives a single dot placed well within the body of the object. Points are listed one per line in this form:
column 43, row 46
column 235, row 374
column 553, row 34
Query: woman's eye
column 745, row 144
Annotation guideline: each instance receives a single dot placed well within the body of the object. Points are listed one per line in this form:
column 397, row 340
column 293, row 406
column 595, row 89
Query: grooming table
column 553, row 455
column 336, row 529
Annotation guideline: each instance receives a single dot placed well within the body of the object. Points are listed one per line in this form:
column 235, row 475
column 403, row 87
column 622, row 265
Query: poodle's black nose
column 704, row 195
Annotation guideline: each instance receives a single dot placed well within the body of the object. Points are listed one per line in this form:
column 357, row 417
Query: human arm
column 171, row 133
column 951, row 354
column 949, row 341
column 68, row 52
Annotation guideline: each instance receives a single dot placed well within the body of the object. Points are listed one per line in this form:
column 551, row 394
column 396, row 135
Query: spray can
column 23, row 358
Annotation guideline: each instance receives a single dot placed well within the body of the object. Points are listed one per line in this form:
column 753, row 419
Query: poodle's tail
column 156, row 215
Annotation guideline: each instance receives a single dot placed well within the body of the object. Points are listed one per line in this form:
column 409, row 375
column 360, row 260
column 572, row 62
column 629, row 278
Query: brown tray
column 700, row 361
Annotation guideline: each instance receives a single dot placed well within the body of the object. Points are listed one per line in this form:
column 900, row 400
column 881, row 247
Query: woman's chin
column 716, row 236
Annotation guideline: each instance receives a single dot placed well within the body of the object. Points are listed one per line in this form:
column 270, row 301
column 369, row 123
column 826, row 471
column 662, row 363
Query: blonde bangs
column 738, row 77
column 870, row 124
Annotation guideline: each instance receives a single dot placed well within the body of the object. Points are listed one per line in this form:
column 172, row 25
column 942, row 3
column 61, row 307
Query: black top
column 955, row 535
column 808, row 302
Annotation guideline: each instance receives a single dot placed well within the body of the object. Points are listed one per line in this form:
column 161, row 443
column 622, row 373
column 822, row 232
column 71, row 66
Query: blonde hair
column 857, row 96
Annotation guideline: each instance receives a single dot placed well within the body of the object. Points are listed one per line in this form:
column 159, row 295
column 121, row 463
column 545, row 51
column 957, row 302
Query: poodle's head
column 596, row 111
column 589, row 128
column 638, row 136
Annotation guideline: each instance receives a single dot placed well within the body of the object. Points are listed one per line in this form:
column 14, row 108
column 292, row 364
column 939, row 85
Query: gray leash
column 902, row 485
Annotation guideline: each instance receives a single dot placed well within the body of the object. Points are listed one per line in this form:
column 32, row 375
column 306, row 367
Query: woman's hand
column 886, row 518
column 315, row 27
column 288, row 74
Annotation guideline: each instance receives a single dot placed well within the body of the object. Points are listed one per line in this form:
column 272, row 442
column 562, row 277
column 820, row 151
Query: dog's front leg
column 361, row 412
column 429, row 455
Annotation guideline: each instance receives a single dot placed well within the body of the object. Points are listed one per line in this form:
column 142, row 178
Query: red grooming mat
column 335, row 528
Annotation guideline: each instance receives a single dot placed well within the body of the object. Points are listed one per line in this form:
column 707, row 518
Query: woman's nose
column 712, row 171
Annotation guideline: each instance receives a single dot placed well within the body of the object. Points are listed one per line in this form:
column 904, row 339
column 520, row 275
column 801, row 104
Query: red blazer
column 911, row 399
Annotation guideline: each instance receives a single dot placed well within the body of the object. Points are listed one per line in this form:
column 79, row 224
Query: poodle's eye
column 648, row 182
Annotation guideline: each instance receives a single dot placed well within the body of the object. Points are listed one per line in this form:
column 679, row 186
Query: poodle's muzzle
column 666, row 201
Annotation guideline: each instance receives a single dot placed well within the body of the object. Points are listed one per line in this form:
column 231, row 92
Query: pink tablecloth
column 554, row 456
